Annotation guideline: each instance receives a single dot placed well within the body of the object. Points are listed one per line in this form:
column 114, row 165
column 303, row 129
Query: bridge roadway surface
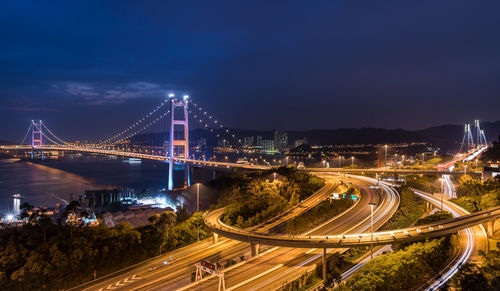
column 278, row 265
column 334, row 240
column 140, row 156
column 178, row 273
column 184, row 258
column 216, row 164
column 471, row 240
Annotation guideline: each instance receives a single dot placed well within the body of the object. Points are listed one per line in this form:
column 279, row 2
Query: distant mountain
column 446, row 136
column 7, row 142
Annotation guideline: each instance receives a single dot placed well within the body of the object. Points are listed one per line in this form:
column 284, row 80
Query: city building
column 280, row 140
column 258, row 141
column 223, row 143
column 202, row 143
column 268, row 146
column 96, row 199
column 300, row 142
column 248, row 141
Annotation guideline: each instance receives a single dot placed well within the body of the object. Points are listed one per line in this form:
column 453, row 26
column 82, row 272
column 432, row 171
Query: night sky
column 89, row 68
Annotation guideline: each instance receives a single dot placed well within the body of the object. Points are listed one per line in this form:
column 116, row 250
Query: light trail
column 468, row 249
column 389, row 191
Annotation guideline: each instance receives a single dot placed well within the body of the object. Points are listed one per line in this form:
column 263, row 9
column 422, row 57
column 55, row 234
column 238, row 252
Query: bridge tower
column 477, row 133
column 467, row 139
column 36, row 137
column 182, row 145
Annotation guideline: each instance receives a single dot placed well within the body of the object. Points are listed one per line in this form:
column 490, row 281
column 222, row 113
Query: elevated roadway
column 139, row 156
column 276, row 266
column 179, row 263
column 334, row 240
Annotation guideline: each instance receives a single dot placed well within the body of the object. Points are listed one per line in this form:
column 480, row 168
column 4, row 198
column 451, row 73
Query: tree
column 469, row 277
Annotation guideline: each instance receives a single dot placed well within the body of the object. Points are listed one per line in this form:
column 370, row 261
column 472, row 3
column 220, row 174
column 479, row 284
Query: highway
column 225, row 164
column 471, row 239
column 279, row 264
column 180, row 262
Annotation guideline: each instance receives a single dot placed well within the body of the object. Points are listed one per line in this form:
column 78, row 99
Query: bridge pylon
column 177, row 144
column 36, row 137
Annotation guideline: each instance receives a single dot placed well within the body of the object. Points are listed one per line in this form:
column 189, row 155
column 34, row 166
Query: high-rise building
column 223, row 143
column 248, row 141
column 202, row 142
column 258, row 141
column 268, row 145
column 280, row 140
column 300, row 142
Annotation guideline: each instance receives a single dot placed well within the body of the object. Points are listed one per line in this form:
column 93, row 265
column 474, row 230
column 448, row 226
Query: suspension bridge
column 163, row 135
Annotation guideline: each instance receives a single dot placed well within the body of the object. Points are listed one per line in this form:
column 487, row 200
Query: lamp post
column 352, row 162
column 197, row 209
column 385, row 159
column 371, row 240
column 442, row 192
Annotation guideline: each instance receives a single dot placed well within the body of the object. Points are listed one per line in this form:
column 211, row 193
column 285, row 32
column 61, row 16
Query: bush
column 253, row 198
column 52, row 257
column 404, row 269
column 410, row 209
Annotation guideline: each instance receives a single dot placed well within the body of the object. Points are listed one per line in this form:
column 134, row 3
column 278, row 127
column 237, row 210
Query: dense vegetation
column 438, row 216
column 484, row 277
column 410, row 209
column 427, row 183
column 255, row 197
column 401, row 270
column 476, row 195
column 318, row 214
column 44, row 256
column 493, row 153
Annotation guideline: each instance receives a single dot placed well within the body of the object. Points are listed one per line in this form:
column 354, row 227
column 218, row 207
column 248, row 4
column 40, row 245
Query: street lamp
column 197, row 209
column 385, row 147
column 442, row 192
column 371, row 240
column 352, row 162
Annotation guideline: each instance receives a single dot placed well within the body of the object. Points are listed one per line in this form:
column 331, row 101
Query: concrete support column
column 488, row 226
column 215, row 238
column 254, row 248
column 323, row 262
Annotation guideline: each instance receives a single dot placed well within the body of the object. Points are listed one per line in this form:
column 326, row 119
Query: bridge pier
column 254, row 248
column 215, row 238
column 323, row 263
column 489, row 227
column 187, row 176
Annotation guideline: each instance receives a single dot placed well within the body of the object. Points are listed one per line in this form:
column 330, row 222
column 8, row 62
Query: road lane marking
column 255, row 277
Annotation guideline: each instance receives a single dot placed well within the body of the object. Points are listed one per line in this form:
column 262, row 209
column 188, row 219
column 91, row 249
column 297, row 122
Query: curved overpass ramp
column 351, row 240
